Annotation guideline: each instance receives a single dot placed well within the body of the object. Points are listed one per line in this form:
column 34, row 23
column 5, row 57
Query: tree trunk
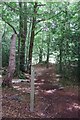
column 28, row 42
column 11, row 68
column 32, row 38
column 18, row 59
column 78, row 38
column 79, row 63
column 23, row 33
column 41, row 50
column 48, row 45
column 40, row 55
column 60, row 56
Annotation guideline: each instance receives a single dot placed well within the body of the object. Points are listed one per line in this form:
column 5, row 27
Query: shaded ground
column 51, row 99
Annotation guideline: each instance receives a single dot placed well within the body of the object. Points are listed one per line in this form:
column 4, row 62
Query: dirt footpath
column 51, row 99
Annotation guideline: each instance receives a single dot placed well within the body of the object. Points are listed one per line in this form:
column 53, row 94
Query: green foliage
column 59, row 19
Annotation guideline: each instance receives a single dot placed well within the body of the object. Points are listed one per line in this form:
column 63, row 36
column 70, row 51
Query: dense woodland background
column 45, row 36
column 46, row 32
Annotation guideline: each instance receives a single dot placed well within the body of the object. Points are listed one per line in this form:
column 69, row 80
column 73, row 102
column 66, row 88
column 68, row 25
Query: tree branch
column 38, row 31
column 10, row 26
column 47, row 18
column 13, row 9
column 44, row 19
column 40, row 20
column 41, row 4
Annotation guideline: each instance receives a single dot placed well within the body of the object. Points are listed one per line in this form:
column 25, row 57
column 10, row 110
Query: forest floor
column 51, row 99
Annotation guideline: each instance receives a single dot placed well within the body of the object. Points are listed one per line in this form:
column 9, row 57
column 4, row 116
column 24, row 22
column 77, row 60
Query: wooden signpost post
column 32, row 90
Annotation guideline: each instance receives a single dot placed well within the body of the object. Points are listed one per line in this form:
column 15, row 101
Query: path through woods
column 51, row 100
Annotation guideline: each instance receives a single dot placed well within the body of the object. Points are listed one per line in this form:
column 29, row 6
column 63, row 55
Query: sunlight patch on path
column 38, row 83
column 25, row 90
column 76, row 106
column 20, row 80
column 49, row 91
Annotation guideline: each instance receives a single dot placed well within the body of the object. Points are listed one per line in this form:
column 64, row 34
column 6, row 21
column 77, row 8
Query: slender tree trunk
column 28, row 43
column 41, row 50
column 48, row 45
column 23, row 32
column 79, row 63
column 78, row 39
column 11, row 68
column 60, row 56
column 32, row 37
column 40, row 55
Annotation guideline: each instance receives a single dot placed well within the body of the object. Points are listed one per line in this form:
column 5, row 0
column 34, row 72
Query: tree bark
column 32, row 38
column 48, row 49
column 28, row 43
column 78, row 68
column 22, row 34
column 40, row 54
column 60, row 55
column 11, row 67
column 78, row 39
